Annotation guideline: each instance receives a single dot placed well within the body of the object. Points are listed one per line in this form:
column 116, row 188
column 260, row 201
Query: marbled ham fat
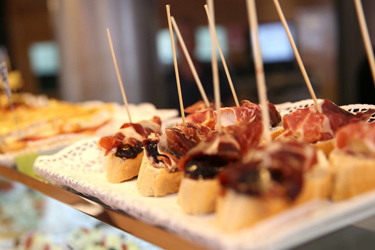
column 310, row 126
column 357, row 138
column 248, row 112
column 217, row 150
column 177, row 141
column 130, row 134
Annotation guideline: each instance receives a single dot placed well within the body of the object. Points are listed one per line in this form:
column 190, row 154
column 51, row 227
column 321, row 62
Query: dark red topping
column 216, row 151
column 276, row 169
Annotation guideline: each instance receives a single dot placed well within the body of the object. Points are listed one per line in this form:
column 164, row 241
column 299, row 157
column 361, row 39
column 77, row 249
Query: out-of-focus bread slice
column 119, row 169
column 352, row 175
column 198, row 196
column 236, row 211
column 156, row 182
column 317, row 181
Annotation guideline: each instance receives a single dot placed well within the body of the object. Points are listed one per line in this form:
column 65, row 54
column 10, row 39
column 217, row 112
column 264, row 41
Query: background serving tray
column 53, row 144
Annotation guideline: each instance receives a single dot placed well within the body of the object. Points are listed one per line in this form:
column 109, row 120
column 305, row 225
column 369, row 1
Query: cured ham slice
column 309, row 125
column 130, row 134
column 248, row 112
column 357, row 138
column 198, row 106
column 218, row 149
column 167, row 149
column 204, row 117
column 284, row 165
column 200, row 114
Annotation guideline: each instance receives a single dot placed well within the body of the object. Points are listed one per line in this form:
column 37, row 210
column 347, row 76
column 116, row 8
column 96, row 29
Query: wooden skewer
column 118, row 75
column 222, row 57
column 365, row 36
column 175, row 64
column 190, row 62
column 298, row 57
column 215, row 67
column 261, row 82
column 214, row 63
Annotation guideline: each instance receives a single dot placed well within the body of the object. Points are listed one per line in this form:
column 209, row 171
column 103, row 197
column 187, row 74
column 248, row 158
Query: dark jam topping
column 204, row 168
column 127, row 151
column 244, row 178
column 152, row 150
column 250, row 182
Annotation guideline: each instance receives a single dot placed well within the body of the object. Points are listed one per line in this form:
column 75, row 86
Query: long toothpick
column 261, row 82
column 214, row 63
column 175, row 64
column 222, row 57
column 215, row 69
column 365, row 36
column 298, row 57
column 190, row 62
column 118, row 75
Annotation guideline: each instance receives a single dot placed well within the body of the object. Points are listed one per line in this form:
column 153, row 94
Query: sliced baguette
column 236, row 211
column 198, row 196
column 352, row 175
column 155, row 182
column 317, row 181
column 119, row 169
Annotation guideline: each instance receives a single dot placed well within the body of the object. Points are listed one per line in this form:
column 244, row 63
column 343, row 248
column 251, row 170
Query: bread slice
column 119, row 169
column 198, row 196
column 317, row 181
column 236, row 211
column 352, row 175
column 157, row 181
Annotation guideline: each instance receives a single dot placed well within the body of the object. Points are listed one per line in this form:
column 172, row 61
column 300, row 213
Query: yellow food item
column 54, row 118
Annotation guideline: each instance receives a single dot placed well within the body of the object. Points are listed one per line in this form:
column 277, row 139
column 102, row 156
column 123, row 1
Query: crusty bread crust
column 236, row 211
column 119, row 170
column 156, row 182
column 352, row 175
column 198, row 196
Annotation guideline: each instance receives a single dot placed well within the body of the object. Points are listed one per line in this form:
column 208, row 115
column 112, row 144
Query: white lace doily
column 81, row 167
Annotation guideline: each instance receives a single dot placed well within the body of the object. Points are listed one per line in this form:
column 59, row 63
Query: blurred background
column 61, row 49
